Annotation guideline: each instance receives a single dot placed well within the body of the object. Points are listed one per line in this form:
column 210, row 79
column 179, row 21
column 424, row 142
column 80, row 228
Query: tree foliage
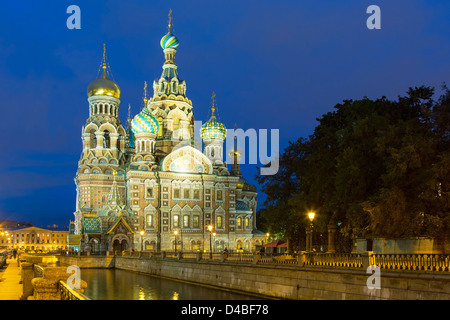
column 374, row 167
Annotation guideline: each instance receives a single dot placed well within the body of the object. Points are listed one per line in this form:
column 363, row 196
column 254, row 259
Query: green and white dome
column 144, row 122
column 213, row 130
column 169, row 41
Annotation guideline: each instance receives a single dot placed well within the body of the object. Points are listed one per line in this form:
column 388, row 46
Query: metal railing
column 413, row 262
column 406, row 262
column 68, row 293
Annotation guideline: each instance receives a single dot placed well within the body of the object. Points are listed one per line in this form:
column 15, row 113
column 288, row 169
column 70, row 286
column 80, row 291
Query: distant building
column 146, row 186
column 34, row 238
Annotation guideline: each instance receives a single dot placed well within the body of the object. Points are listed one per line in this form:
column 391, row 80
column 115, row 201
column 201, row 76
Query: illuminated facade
column 136, row 186
column 34, row 239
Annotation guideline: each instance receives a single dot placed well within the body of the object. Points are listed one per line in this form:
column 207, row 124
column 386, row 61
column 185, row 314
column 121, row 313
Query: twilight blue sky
column 273, row 65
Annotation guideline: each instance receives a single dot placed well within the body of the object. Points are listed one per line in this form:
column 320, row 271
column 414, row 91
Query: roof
column 91, row 225
column 242, row 206
column 116, row 224
column 276, row 244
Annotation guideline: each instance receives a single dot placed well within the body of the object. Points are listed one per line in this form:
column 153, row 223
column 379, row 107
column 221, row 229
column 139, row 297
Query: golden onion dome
column 104, row 86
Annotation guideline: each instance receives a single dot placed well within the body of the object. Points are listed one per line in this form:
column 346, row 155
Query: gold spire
column 145, row 94
column 213, row 108
column 129, row 114
column 104, row 57
column 170, row 20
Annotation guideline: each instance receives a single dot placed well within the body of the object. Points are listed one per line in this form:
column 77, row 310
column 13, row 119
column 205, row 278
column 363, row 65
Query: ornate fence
column 407, row 262
column 414, row 262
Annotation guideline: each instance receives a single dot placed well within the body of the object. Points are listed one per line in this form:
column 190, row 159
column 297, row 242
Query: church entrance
column 120, row 245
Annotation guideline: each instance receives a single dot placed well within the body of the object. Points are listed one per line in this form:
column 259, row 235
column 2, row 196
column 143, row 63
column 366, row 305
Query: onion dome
column 169, row 41
column 213, row 129
column 144, row 122
column 104, row 86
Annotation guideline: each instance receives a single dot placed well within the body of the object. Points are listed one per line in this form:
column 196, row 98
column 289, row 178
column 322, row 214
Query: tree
column 373, row 167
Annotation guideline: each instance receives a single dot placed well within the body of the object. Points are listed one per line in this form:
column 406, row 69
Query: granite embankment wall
column 282, row 282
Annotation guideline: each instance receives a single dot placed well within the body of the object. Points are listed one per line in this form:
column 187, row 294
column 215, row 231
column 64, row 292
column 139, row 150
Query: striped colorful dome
column 213, row 129
column 144, row 122
column 169, row 41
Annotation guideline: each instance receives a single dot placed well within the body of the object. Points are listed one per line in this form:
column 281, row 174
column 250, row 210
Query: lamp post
column 210, row 227
column 175, row 233
column 142, row 238
column 311, row 228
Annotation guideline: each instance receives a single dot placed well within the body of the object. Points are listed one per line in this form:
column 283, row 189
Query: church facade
column 146, row 186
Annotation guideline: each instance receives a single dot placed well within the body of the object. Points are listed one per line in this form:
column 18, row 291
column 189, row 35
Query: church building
column 146, row 186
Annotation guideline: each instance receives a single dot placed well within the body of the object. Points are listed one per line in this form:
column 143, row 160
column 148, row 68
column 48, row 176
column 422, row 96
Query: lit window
column 185, row 221
column 239, row 222
column 195, row 221
column 196, row 194
column 149, row 220
column 176, row 222
column 219, row 222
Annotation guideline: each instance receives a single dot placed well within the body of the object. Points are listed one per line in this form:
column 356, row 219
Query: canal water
column 113, row 284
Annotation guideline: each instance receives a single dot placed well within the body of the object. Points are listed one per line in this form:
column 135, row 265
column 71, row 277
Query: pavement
column 10, row 286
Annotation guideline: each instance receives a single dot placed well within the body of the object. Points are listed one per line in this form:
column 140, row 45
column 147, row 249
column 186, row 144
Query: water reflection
column 111, row 284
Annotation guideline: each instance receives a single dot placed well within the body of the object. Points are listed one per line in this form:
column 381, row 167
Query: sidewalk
column 10, row 288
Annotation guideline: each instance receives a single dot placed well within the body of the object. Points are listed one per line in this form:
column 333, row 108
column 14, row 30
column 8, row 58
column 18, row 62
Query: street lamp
column 210, row 227
column 142, row 239
column 311, row 226
column 175, row 233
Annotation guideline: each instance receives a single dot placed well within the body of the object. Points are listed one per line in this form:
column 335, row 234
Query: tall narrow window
column 195, row 221
column 239, row 222
column 185, row 221
column 176, row 193
column 176, row 222
column 219, row 222
column 149, row 192
column 186, row 193
column 149, row 221
column 219, row 195
column 106, row 139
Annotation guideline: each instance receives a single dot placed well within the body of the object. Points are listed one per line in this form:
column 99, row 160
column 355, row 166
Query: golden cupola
column 104, row 86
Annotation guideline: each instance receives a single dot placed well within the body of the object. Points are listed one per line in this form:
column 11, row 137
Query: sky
column 272, row 64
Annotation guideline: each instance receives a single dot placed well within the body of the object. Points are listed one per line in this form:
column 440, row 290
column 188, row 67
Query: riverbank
column 282, row 281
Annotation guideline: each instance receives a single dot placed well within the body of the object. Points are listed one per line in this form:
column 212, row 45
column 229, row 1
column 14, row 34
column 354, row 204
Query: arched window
column 176, row 221
column 219, row 223
column 106, row 139
column 160, row 130
column 149, row 221
column 176, row 126
column 239, row 222
column 93, row 140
